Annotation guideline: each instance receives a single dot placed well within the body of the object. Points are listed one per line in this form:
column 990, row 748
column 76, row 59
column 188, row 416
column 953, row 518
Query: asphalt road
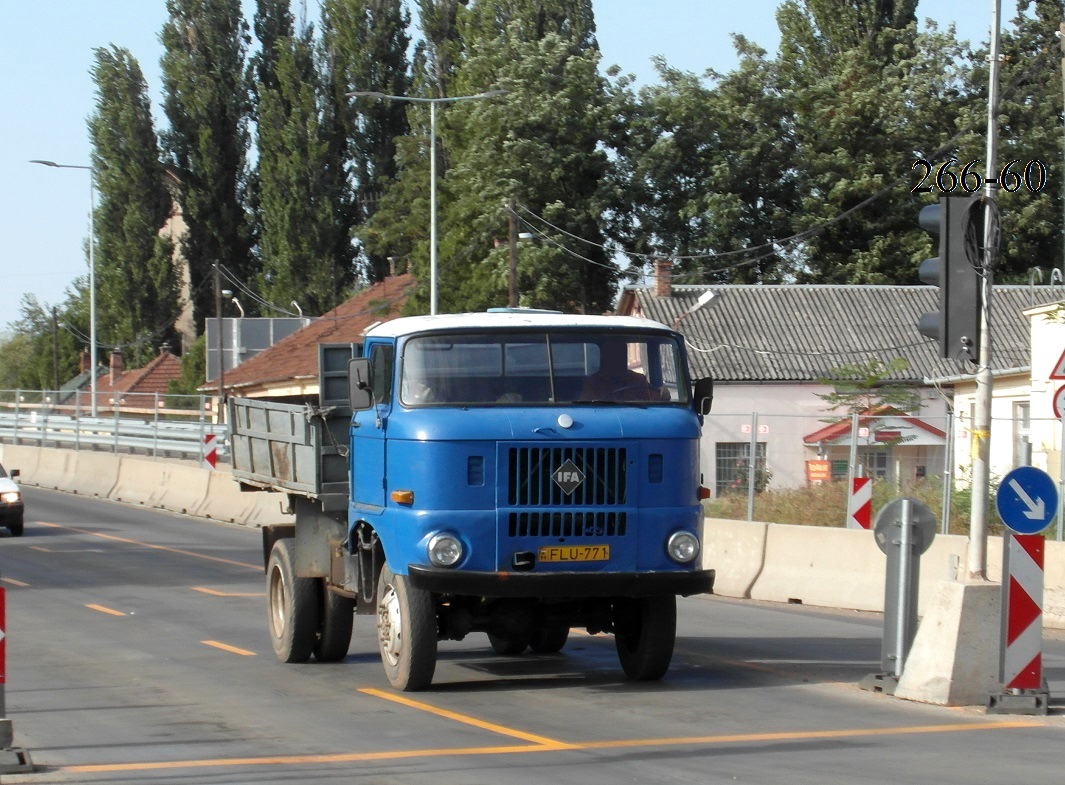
column 137, row 653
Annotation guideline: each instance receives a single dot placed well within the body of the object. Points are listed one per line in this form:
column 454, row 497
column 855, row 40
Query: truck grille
column 531, row 483
column 567, row 524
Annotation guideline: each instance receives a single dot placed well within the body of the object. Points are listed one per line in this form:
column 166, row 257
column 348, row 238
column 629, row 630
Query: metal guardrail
column 42, row 427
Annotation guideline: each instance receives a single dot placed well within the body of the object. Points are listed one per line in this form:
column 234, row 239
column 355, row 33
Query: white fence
column 160, row 426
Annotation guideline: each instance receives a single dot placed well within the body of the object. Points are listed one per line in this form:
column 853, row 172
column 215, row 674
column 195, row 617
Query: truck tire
column 406, row 632
column 292, row 606
column 507, row 647
column 645, row 630
column 549, row 638
column 334, row 632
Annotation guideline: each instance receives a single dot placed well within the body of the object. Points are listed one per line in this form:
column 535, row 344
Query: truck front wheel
column 406, row 632
column 645, row 629
column 292, row 606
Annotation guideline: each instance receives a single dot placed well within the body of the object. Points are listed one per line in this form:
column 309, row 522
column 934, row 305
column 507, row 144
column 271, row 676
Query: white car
column 11, row 509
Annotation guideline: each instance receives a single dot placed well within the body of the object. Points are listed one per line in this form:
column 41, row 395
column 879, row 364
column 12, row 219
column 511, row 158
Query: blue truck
column 515, row 473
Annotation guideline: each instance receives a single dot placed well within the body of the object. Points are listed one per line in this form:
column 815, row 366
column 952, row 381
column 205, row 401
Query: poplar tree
column 538, row 147
column 208, row 106
column 136, row 280
column 364, row 48
column 297, row 225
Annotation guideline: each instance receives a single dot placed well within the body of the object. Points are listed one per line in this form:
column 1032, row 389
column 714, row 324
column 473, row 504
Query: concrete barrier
column 15, row 456
column 839, row 568
column 225, row 501
column 741, row 546
column 53, row 467
column 97, row 475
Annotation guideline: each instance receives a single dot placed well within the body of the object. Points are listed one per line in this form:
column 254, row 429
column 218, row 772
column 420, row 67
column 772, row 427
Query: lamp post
column 92, row 270
column 433, row 297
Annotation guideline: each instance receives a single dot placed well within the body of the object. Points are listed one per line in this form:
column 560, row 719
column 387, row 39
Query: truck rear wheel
column 549, row 638
column 645, row 630
column 406, row 632
column 334, row 632
column 292, row 606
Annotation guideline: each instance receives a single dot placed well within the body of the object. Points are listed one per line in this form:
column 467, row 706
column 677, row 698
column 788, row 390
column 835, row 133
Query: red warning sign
column 1059, row 368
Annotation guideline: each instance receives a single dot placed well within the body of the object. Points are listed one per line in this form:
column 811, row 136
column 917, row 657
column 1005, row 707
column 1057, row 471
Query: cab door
column 368, row 428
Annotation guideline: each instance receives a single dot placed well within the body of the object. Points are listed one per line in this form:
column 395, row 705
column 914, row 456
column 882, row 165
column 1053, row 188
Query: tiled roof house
column 144, row 387
column 766, row 347
column 288, row 370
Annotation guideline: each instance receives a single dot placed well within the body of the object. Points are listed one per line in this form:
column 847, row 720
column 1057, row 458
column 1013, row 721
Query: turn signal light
column 704, row 492
column 403, row 497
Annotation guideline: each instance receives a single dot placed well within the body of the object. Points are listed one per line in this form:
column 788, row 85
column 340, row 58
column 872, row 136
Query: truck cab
column 517, row 474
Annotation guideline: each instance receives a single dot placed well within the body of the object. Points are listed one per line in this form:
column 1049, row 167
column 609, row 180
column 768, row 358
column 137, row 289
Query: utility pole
column 1061, row 40
column 976, row 561
column 513, row 237
column 220, row 414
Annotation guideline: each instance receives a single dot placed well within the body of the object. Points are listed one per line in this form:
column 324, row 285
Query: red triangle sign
column 1023, row 611
column 1059, row 368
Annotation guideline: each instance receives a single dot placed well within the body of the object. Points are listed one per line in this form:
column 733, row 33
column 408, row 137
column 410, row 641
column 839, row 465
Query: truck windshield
column 543, row 368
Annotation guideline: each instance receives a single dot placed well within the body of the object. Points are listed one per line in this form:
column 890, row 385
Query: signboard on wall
column 818, row 472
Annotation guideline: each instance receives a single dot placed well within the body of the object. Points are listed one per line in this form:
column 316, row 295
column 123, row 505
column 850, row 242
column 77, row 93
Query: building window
column 877, row 462
column 732, row 461
column 1022, row 442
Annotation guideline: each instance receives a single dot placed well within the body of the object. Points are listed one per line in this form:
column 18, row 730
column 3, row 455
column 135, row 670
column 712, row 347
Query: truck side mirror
column 360, row 396
column 704, row 395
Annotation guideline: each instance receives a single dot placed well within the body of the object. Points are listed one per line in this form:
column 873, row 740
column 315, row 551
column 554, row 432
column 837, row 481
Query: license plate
column 565, row 553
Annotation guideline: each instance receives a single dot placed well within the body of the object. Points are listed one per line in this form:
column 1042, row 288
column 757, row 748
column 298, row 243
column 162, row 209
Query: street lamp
column 433, row 299
column 92, row 270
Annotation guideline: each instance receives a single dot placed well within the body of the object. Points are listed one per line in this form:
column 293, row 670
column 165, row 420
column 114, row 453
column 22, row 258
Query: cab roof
column 511, row 319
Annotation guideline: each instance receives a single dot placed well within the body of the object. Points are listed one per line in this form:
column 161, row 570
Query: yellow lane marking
column 40, row 548
column 226, row 647
column 104, row 609
column 293, row 760
column 179, row 551
column 467, row 720
column 744, row 738
column 216, row 593
column 13, row 582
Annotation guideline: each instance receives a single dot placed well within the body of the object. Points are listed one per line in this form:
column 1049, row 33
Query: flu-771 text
column 1011, row 177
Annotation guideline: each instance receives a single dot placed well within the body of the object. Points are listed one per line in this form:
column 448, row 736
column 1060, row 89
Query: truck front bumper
column 560, row 584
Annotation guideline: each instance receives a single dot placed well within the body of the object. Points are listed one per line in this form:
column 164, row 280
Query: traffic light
column 956, row 272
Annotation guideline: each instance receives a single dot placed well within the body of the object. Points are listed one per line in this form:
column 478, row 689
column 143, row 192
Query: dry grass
column 826, row 505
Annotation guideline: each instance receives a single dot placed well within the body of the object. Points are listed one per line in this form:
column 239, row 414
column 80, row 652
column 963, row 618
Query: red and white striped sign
column 860, row 504
column 210, row 450
column 1023, row 663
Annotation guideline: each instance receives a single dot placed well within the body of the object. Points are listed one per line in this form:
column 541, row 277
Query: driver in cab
column 615, row 381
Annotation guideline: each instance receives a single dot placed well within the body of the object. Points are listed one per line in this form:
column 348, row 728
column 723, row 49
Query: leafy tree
column 44, row 334
column 136, row 281
column 861, row 388
column 866, row 91
column 537, row 147
column 296, row 211
column 208, row 105
column 1030, row 117
column 193, row 370
column 706, row 171
column 364, row 44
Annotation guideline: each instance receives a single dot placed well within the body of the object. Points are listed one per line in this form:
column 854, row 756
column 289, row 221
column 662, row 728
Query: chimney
column 663, row 278
column 116, row 365
column 83, row 361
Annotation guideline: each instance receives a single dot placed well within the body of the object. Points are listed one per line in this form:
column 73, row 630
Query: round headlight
column 683, row 547
column 445, row 550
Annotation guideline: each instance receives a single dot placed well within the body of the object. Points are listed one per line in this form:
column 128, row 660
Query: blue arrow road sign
column 1027, row 500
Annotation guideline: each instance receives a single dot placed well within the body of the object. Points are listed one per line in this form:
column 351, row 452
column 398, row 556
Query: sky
column 47, row 96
